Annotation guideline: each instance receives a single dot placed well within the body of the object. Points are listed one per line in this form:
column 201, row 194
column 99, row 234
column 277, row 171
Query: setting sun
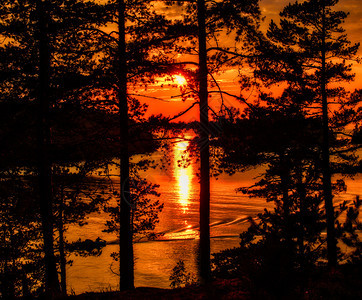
column 180, row 80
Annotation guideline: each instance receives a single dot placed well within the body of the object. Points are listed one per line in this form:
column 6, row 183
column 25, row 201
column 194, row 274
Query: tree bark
column 44, row 165
column 204, row 254
column 326, row 169
column 126, row 264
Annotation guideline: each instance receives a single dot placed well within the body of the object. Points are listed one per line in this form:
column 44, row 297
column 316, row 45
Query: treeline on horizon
column 71, row 76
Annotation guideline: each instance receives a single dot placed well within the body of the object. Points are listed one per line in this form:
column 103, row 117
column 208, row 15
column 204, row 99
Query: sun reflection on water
column 183, row 175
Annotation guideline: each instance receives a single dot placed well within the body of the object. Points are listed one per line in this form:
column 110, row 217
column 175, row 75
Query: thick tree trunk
column 44, row 164
column 204, row 255
column 326, row 169
column 126, row 265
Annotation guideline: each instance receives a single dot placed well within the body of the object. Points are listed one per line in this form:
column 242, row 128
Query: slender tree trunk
column 63, row 261
column 7, row 288
column 204, row 255
column 285, row 185
column 326, row 169
column 45, row 184
column 126, row 265
column 25, row 286
column 302, row 208
column 284, row 179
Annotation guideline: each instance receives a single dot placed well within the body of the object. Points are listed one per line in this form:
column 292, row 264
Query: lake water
column 155, row 260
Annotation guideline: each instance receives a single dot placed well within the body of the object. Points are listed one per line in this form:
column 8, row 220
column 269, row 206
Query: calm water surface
column 155, row 260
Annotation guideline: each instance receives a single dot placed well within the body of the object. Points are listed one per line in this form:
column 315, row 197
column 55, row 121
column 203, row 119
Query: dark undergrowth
column 344, row 282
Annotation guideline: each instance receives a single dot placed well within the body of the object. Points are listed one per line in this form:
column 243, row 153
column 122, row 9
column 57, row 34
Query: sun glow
column 183, row 175
column 179, row 79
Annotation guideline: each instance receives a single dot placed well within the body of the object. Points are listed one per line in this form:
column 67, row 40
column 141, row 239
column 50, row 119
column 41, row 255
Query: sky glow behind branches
column 171, row 105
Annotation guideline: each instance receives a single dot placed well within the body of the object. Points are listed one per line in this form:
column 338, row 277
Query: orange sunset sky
column 170, row 106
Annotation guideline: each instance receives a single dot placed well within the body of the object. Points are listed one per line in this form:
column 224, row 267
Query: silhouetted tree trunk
column 286, row 205
column 63, row 261
column 284, row 181
column 204, row 255
column 45, row 185
column 240, row 20
column 301, row 189
column 25, row 286
column 126, row 264
column 7, row 288
column 326, row 168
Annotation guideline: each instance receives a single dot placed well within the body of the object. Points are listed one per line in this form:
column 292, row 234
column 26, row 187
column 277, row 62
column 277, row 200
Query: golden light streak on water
column 184, row 176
